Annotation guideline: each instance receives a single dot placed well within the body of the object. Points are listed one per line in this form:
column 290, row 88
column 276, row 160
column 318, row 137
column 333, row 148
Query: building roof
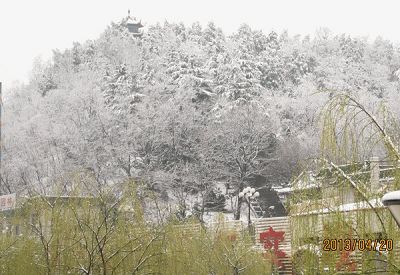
column 347, row 207
column 311, row 179
column 134, row 21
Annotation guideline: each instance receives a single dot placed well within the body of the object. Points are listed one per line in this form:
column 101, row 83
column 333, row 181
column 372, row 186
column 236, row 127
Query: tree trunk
column 237, row 211
column 236, row 214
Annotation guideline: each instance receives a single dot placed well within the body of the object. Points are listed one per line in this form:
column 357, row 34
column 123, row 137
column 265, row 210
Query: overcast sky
column 30, row 28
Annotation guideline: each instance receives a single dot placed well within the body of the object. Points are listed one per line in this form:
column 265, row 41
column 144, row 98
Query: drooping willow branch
column 348, row 129
column 346, row 107
column 387, row 139
column 355, row 186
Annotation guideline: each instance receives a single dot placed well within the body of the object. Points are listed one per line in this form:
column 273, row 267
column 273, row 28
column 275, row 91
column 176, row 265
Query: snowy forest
column 192, row 115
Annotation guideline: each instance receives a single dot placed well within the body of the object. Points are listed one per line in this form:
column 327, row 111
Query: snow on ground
column 210, row 217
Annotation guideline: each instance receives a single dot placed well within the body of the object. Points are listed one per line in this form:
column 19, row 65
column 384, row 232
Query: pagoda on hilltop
column 134, row 25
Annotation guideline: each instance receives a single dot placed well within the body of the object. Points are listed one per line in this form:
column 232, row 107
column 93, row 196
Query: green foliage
column 341, row 200
column 107, row 235
column 219, row 252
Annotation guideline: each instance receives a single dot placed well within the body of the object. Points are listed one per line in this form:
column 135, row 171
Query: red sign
column 271, row 240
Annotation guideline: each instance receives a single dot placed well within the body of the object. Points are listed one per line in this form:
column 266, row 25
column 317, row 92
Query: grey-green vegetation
column 108, row 234
column 345, row 201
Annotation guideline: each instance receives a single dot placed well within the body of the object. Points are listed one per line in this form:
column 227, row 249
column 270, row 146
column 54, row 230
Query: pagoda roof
column 134, row 21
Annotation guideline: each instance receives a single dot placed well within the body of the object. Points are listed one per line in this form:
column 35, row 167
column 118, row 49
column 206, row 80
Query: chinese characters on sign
column 271, row 240
column 7, row 202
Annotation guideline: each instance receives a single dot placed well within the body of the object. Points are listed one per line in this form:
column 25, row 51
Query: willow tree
column 109, row 234
column 341, row 199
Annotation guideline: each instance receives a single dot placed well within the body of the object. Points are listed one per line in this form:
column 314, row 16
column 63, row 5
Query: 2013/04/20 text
column 357, row 244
